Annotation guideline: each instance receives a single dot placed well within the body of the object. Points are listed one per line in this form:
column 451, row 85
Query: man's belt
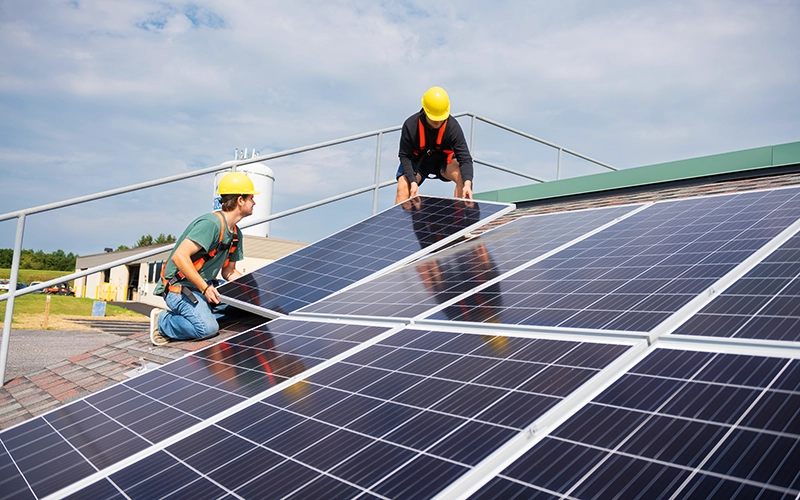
column 184, row 290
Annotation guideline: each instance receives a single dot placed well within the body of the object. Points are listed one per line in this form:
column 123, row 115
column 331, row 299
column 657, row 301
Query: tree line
column 62, row 261
column 28, row 259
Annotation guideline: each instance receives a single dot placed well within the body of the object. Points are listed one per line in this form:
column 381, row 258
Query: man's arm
column 462, row 154
column 406, row 150
column 229, row 272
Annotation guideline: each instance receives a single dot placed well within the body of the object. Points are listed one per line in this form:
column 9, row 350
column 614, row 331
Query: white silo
column 264, row 181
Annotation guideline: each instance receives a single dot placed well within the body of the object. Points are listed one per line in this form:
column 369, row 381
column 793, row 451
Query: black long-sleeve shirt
column 453, row 140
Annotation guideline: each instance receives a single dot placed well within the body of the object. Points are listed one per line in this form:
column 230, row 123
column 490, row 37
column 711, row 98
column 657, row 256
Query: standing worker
column 210, row 244
column 432, row 145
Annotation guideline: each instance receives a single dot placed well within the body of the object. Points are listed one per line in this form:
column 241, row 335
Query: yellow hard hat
column 436, row 104
column 236, row 183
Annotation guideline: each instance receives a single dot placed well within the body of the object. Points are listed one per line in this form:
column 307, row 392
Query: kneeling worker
column 432, row 145
column 210, row 244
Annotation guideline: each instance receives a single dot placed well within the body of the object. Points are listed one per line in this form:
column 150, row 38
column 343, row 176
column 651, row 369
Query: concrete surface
column 32, row 350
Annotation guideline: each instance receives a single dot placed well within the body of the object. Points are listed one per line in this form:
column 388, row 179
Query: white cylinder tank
column 264, row 181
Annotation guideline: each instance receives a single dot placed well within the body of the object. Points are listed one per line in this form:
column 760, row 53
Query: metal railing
column 375, row 187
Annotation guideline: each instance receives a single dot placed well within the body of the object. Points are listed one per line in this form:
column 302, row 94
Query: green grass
column 60, row 305
column 28, row 275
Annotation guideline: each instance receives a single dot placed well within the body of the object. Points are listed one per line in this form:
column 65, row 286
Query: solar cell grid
column 384, row 240
column 100, row 490
column 639, row 271
column 415, row 288
column 680, row 425
column 763, row 304
column 358, row 427
column 102, row 429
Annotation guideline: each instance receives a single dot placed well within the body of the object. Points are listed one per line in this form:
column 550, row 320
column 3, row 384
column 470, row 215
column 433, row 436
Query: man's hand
column 212, row 295
column 466, row 191
column 413, row 190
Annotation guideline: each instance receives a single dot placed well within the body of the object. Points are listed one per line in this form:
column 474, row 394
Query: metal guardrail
column 375, row 187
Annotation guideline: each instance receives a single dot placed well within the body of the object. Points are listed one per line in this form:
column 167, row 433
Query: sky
column 98, row 95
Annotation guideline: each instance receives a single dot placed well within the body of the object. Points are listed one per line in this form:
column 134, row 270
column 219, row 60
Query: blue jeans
column 187, row 321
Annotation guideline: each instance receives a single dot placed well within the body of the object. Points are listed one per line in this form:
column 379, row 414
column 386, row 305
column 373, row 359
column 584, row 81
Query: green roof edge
column 724, row 163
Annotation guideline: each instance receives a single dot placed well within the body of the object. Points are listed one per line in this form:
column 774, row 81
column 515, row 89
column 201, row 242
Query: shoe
column 155, row 336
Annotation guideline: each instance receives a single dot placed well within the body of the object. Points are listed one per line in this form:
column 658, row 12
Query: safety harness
column 199, row 259
column 437, row 147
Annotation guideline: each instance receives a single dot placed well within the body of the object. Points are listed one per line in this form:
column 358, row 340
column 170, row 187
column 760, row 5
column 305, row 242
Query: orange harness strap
column 439, row 139
column 201, row 257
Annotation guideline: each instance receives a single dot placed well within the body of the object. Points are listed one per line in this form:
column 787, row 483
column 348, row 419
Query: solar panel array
column 637, row 273
column 415, row 289
column 680, row 424
column 642, row 351
column 395, row 419
column 386, row 240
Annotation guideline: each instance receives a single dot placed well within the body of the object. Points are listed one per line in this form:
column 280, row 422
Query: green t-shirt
column 204, row 231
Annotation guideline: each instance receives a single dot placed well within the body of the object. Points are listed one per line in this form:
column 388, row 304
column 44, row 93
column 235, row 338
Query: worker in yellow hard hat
column 210, row 245
column 433, row 145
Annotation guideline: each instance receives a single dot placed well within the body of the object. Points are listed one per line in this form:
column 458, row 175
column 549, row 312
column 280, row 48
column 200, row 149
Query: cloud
column 177, row 19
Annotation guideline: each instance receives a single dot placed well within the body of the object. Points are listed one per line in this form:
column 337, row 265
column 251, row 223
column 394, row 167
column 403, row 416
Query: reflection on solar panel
column 385, row 240
column 399, row 419
column 638, row 272
column 681, row 424
column 763, row 304
column 79, row 439
column 417, row 287
column 360, row 406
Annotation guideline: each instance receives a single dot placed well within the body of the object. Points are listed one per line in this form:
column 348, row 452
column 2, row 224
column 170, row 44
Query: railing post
column 472, row 136
column 558, row 168
column 377, row 174
column 12, row 290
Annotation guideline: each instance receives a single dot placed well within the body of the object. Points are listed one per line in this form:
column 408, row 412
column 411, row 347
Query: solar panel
column 681, row 424
column 415, row 288
column 89, row 435
column 383, row 241
column 401, row 418
column 763, row 304
column 633, row 275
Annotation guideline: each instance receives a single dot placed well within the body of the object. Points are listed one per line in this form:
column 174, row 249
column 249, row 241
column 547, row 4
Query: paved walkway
column 61, row 382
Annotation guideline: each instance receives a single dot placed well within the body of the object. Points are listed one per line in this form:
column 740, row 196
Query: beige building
column 135, row 281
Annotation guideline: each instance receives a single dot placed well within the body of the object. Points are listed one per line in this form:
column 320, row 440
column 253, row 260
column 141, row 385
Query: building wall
column 94, row 287
column 87, row 286
column 80, row 284
column 148, row 284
